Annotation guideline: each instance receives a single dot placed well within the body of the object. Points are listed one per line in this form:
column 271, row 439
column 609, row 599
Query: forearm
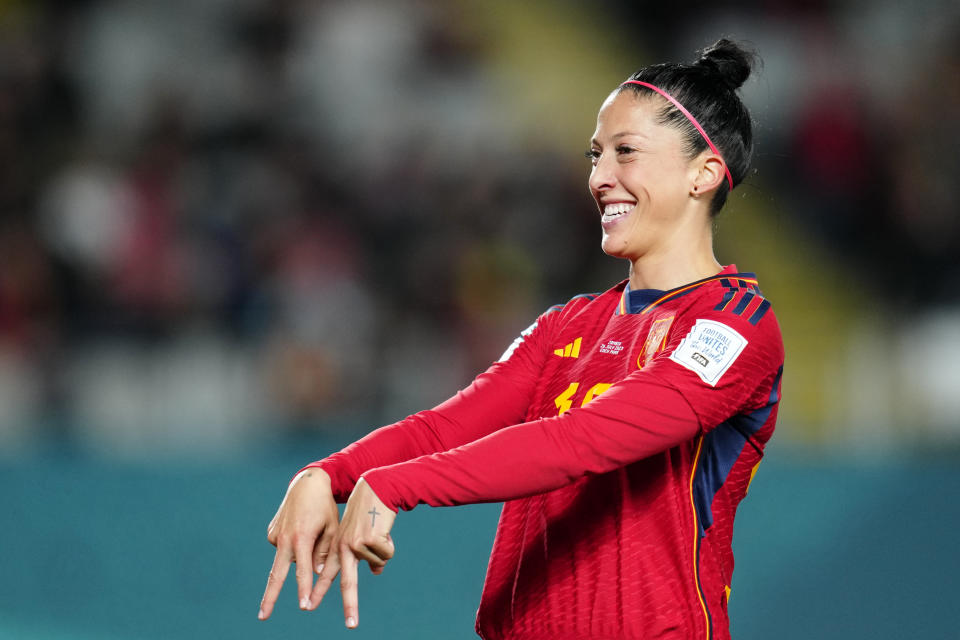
column 403, row 440
column 530, row 458
column 491, row 402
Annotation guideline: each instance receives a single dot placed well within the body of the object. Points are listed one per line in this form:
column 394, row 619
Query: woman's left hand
column 364, row 534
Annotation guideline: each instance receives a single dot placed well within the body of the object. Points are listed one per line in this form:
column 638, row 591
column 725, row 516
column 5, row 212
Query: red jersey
column 621, row 430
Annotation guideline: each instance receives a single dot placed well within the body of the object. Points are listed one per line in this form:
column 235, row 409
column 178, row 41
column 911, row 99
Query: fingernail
column 319, row 568
column 351, row 623
column 261, row 615
column 304, row 603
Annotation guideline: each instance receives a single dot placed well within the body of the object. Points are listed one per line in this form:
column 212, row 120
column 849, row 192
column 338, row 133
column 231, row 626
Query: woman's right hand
column 302, row 530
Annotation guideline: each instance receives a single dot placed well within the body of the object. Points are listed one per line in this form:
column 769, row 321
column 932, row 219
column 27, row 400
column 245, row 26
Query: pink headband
column 692, row 120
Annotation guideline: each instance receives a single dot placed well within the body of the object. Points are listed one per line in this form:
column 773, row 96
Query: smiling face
column 641, row 177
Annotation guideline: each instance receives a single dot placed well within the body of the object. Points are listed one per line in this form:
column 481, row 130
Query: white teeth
column 616, row 208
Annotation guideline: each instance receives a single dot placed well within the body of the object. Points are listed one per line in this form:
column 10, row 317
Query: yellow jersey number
column 564, row 401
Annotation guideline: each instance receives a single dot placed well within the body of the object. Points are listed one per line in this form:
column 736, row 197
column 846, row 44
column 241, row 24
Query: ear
column 710, row 174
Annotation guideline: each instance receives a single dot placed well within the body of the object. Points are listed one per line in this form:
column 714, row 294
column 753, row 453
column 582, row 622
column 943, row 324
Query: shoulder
column 584, row 302
column 555, row 318
column 578, row 301
column 552, row 320
column 727, row 321
column 735, row 300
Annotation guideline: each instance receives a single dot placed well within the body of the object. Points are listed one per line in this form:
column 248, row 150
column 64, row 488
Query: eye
column 624, row 149
column 593, row 155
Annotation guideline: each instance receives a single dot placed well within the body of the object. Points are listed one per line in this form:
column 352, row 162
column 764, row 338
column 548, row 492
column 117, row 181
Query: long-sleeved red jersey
column 621, row 430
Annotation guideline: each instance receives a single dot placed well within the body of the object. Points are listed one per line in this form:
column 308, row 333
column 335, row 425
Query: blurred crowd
column 227, row 216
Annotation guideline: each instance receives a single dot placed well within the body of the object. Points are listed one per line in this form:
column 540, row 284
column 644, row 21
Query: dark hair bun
column 729, row 61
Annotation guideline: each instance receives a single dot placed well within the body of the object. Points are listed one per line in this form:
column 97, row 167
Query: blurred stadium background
column 235, row 234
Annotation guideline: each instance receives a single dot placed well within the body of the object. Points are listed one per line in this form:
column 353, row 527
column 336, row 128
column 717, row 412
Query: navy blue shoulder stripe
column 760, row 312
column 727, row 295
column 746, row 294
column 744, row 301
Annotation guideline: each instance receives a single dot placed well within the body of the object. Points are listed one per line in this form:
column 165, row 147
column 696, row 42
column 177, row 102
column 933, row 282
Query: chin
column 614, row 248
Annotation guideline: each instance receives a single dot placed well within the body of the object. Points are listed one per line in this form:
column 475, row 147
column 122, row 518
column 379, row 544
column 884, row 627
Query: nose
column 602, row 175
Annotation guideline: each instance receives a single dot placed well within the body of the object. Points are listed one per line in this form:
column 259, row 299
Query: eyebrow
column 619, row 135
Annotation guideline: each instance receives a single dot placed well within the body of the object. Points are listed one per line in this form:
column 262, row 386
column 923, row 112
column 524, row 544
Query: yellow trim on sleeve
column 753, row 472
column 696, row 538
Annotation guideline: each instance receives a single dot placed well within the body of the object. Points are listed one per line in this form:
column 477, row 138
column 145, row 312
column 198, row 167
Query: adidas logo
column 572, row 350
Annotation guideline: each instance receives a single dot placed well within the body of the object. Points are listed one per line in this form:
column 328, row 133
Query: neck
column 688, row 258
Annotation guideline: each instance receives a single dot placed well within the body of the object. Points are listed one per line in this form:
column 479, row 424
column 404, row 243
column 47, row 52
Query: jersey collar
column 645, row 300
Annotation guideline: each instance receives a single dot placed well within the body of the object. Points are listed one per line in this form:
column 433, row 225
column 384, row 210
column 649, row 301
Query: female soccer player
column 621, row 429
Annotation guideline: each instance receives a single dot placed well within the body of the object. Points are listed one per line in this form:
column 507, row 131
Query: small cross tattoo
column 373, row 516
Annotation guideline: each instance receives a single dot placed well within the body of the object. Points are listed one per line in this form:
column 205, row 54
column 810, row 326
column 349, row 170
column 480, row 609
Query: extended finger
column 304, row 560
column 348, row 587
column 330, row 570
column 278, row 573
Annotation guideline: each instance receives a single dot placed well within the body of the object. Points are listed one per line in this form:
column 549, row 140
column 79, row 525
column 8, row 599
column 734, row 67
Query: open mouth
column 616, row 210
